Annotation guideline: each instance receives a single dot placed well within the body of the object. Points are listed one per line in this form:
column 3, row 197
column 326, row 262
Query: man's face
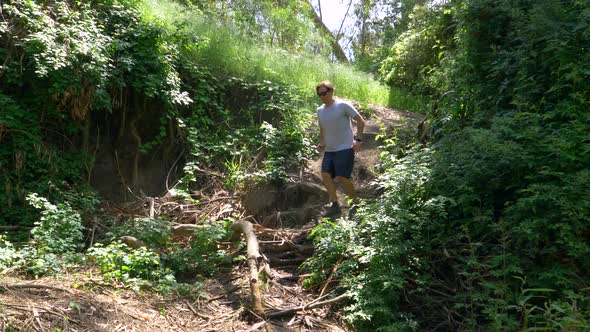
column 324, row 93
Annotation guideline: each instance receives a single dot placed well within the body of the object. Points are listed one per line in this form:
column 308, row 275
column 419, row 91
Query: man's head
column 325, row 91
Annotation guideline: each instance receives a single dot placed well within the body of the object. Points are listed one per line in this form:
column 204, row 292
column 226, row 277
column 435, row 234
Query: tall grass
column 232, row 54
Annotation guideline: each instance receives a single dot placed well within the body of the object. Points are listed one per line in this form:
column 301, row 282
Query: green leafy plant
column 154, row 232
column 382, row 250
column 203, row 255
column 8, row 253
column 56, row 241
column 59, row 229
column 134, row 267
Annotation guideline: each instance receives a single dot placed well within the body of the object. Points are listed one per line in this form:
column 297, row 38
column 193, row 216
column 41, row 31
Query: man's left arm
column 360, row 128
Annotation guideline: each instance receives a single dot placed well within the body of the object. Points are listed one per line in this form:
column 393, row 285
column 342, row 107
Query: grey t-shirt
column 336, row 124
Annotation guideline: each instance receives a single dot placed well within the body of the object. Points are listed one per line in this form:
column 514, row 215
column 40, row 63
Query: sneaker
column 331, row 210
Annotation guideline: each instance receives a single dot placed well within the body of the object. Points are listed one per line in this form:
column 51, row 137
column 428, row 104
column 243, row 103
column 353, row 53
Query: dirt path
column 283, row 219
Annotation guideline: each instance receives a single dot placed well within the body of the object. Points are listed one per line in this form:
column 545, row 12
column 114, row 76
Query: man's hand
column 356, row 146
column 320, row 147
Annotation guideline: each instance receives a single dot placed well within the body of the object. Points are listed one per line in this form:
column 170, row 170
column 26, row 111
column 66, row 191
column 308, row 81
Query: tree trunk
column 336, row 48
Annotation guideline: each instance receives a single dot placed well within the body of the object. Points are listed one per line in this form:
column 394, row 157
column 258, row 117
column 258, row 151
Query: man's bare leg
column 348, row 187
column 330, row 187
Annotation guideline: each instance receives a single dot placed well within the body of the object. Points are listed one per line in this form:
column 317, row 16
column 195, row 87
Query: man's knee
column 342, row 179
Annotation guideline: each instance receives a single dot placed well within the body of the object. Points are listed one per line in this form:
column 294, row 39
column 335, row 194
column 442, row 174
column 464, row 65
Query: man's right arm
column 322, row 144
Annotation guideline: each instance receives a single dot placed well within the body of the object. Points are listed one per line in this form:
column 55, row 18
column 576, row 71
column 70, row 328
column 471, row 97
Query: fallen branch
column 133, row 242
column 35, row 286
column 331, row 275
column 284, row 246
column 184, row 230
column 253, row 256
column 312, row 305
column 28, row 307
column 256, row 326
column 223, row 295
column 196, row 313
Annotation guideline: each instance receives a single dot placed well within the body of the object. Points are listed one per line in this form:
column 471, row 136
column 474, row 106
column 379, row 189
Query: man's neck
column 329, row 103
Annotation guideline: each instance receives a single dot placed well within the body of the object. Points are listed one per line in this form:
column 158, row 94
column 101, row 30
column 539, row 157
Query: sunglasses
column 321, row 94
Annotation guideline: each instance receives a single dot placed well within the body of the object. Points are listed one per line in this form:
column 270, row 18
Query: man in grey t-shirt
column 338, row 144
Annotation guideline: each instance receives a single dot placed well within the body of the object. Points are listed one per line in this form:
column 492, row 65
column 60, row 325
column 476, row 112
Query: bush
column 384, row 251
column 59, row 230
column 134, row 267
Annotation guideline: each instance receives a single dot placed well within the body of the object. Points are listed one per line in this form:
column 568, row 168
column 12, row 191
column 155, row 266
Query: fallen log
column 254, row 258
column 185, row 230
column 133, row 242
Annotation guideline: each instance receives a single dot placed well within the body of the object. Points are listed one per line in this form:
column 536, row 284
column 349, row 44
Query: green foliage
column 134, row 267
column 242, row 140
column 401, row 98
column 243, row 57
column 419, row 49
column 383, row 250
column 56, row 241
column 28, row 163
column 8, row 253
column 155, row 232
column 76, row 58
column 202, row 257
column 285, row 24
column 59, row 229
column 488, row 230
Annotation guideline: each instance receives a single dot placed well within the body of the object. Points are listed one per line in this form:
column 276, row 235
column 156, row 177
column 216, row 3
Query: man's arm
column 360, row 126
column 322, row 144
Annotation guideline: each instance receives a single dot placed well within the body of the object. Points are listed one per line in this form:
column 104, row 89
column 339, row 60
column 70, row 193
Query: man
column 338, row 143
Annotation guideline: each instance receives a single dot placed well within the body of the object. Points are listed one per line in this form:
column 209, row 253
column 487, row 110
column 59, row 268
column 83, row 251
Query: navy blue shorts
column 338, row 163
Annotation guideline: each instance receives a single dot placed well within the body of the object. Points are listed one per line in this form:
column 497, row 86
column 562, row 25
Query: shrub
column 134, row 267
column 59, row 230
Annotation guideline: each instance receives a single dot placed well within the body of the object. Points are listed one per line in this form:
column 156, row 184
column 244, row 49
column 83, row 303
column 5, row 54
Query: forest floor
column 282, row 219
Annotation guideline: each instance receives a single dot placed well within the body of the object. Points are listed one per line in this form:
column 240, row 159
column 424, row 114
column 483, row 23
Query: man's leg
column 349, row 191
column 333, row 208
column 330, row 186
column 344, row 166
column 348, row 187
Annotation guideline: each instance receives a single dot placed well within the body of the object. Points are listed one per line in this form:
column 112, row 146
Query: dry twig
column 307, row 306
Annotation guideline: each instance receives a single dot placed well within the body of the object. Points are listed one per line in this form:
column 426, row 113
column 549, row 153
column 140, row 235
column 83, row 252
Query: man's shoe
column 331, row 210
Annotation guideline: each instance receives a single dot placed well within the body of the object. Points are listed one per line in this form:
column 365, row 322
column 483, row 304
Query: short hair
column 326, row 84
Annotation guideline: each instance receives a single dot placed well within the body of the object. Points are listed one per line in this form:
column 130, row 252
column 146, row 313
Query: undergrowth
column 486, row 226
column 87, row 59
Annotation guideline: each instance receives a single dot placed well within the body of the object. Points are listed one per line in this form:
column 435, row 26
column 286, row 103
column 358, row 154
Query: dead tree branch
column 307, row 306
column 254, row 258
column 35, row 286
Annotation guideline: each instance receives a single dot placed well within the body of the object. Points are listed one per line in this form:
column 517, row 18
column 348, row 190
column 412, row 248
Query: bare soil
column 283, row 218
